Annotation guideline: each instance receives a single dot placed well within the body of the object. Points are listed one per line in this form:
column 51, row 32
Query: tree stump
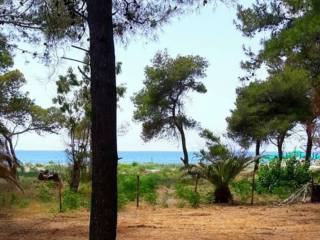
column 315, row 193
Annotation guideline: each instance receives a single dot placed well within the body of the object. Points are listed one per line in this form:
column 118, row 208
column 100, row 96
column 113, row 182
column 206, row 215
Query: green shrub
column 185, row 193
column 72, row 200
column 283, row 191
column 85, row 188
column 8, row 200
column 122, row 200
column 46, row 192
column 150, row 198
column 271, row 177
column 149, row 183
column 127, row 187
column 242, row 188
column 208, row 197
column 134, row 164
column 181, row 204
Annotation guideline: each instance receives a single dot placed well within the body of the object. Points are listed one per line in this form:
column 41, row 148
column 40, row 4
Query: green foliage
column 270, row 109
column 159, row 105
column 291, row 56
column 85, row 188
column 122, row 200
column 73, row 201
column 74, row 105
column 151, row 198
column 73, row 101
column 18, row 113
column 187, row 194
column 282, row 97
column 127, row 186
column 18, row 109
column 219, row 166
column 149, row 183
column 293, row 24
column 8, row 200
column 294, row 38
column 242, row 189
column 70, row 201
column 274, row 179
column 155, row 189
column 47, row 192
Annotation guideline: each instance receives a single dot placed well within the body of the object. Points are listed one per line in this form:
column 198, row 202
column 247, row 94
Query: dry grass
column 301, row 221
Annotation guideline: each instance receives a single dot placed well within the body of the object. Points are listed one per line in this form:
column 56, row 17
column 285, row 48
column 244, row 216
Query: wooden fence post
column 196, row 185
column 138, row 190
column 60, row 196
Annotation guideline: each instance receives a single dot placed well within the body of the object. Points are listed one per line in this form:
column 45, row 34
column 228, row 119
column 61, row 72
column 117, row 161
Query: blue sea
column 159, row 157
column 59, row 157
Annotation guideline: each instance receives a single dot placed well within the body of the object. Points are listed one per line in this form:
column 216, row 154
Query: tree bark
column 103, row 218
column 280, row 141
column 75, row 176
column 309, row 130
column 185, row 159
column 15, row 164
column 256, row 166
column 179, row 125
column 222, row 194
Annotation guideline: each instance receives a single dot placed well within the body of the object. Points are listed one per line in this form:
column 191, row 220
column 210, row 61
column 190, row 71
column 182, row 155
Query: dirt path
column 217, row 222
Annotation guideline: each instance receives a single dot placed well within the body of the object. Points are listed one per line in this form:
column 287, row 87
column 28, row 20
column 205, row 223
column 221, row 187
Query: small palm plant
column 219, row 166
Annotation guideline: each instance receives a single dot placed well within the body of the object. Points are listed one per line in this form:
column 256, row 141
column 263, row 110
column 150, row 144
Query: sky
column 209, row 33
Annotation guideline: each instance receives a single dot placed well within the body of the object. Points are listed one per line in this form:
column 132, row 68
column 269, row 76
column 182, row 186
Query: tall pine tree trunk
column 103, row 218
column 280, row 141
column 309, row 130
column 256, row 166
column 185, row 159
column 179, row 126
column 75, row 176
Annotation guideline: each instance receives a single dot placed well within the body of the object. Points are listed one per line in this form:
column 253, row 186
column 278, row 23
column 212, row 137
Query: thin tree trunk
column 179, row 126
column 15, row 164
column 196, row 185
column 280, row 141
column 256, row 166
column 222, row 194
column 75, row 176
column 185, row 159
column 310, row 127
column 309, row 150
column 103, row 218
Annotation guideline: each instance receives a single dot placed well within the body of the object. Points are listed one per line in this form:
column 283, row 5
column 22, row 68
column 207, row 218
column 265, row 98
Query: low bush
column 150, row 198
column 242, row 189
column 8, row 200
column 272, row 178
column 127, row 188
column 46, row 192
column 149, row 183
column 72, row 200
column 185, row 193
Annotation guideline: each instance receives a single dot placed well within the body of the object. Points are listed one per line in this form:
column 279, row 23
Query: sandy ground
column 299, row 222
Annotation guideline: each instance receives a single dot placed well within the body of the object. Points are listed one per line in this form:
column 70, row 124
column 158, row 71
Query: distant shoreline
column 157, row 157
